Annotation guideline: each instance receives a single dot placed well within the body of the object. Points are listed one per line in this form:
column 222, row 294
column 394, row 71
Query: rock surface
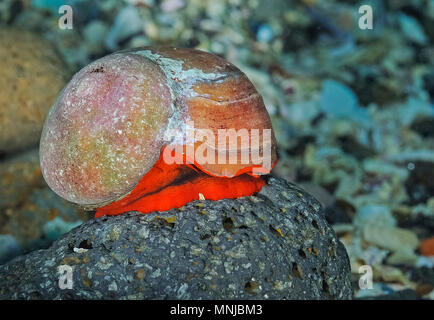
column 31, row 76
column 275, row 245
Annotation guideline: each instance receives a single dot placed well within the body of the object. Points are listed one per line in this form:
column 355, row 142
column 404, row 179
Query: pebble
column 172, row 5
column 265, row 33
column 391, row 274
column 403, row 257
column 94, row 34
column 425, row 262
column 18, row 177
column 9, row 247
column 31, row 76
column 412, row 29
column 338, row 100
column 427, row 247
column 55, row 228
column 393, row 239
column 379, row 215
column 127, row 23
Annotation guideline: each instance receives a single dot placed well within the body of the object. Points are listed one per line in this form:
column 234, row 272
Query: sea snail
column 151, row 129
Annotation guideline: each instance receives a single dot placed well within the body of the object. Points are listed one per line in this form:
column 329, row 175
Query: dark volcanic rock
column 276, row 245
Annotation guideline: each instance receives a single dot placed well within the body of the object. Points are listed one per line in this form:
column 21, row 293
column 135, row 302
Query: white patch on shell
column 180, row 82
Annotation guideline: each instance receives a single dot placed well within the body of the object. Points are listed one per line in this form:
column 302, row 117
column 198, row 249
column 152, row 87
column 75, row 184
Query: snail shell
column 110, row 124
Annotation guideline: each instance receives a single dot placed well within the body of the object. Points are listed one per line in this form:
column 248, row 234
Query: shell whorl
column 109, row 125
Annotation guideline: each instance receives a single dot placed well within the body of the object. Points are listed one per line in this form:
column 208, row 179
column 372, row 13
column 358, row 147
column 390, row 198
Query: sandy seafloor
column 352, row 111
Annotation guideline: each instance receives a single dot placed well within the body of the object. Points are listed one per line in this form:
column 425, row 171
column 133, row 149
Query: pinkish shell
column 106, row 119
column 110, row 123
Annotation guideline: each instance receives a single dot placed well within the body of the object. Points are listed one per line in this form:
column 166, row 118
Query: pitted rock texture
column 275, row 245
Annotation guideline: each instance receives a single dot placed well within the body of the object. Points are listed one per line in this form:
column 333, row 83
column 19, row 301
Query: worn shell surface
column 111, row 122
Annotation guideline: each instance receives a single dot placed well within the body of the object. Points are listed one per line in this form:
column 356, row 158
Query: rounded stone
column 31, row 76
